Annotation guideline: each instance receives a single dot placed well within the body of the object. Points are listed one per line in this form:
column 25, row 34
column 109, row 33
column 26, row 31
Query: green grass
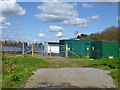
column 17, row 70
column 74, row 57
column 11, row 53
column 105, row 64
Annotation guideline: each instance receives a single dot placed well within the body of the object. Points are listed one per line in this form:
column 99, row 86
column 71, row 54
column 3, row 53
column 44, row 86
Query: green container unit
column 79, row 47
column 104, row 49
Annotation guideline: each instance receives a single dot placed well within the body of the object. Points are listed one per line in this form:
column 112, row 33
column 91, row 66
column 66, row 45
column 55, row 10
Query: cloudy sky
column 49, row 21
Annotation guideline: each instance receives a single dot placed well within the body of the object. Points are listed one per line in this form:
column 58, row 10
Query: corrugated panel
column 110, row 49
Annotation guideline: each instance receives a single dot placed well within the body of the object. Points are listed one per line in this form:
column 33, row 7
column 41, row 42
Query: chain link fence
column 46, row 51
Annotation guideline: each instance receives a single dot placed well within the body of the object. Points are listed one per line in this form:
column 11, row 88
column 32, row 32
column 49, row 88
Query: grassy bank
column 17, row 70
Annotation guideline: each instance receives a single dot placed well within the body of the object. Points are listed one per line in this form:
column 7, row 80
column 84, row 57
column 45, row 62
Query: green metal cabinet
column 79, row 47
column 104, row 49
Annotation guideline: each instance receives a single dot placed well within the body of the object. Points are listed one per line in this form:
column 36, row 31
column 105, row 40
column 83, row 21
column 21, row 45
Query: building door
column 87, row 49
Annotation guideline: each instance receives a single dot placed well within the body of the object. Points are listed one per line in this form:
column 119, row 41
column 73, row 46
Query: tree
column 39, row 43
column 26, row 44
column 19, row 43
column 83, row 35
column 78, row 37
column 109, row 34
column 36, row 44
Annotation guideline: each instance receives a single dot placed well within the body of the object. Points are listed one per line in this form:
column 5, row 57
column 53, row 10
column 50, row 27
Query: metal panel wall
column 79, row 47
column 96, row 49
column 104, row 49
column 110, row 49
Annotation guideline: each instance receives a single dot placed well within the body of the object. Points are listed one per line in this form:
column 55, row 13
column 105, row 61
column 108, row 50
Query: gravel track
column 70, row 77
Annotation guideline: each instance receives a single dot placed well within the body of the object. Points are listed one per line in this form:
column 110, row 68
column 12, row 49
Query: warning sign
column 92, row 48
column 68, row 48
column 87, row 48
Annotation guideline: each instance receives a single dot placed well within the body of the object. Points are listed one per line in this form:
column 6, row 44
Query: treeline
column 13, row 43
column 110, row 34
column 19, row 43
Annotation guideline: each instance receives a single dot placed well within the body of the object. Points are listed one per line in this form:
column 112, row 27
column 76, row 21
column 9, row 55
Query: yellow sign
column 68, row 48
column 92, row 48
column 87, row 48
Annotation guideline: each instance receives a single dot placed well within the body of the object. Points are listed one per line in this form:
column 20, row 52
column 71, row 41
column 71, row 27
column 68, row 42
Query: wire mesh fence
column 48, row 51
column 38, row 50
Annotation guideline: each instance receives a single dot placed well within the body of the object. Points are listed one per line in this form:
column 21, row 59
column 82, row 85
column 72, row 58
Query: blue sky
column 90, row 17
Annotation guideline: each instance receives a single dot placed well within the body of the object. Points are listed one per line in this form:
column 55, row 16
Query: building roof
column 52, row 42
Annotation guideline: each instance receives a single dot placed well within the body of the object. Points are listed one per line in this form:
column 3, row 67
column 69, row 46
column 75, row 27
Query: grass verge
column 74, row 57
column 15, row 71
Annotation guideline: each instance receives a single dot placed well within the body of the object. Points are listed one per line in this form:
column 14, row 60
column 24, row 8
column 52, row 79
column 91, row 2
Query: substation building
column 89, row 48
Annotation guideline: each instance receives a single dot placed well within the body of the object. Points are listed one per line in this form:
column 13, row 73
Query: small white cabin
column 51, row 47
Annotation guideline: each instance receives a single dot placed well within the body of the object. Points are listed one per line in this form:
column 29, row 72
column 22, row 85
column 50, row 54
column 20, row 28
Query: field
column 16, row 70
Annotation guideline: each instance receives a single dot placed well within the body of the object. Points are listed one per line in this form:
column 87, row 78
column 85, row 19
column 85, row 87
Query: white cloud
column 41, row 35
column 56, row 12
column 35, row 40
column 95, row 17
column 85, row 5
column 7, row 23
column 4, row 22
column 118, row 18
column 2, row 19
column 55, row 28
column 26, row 38
column 59, row 34
column 61, row 12
column 3, row 27
column 83, row 25
column 75, row 21
column 79, row 34
column 11, row 8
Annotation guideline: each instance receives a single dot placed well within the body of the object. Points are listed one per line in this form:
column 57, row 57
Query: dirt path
column 70, row 77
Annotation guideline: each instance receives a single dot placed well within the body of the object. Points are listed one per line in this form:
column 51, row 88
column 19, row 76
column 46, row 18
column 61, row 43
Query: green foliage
column 109, row 34
column 107, row 63
column 74, row 57
column 12, row 43
column 115, row 75
column 17, row 70
column 78, row 37
column 82, row 35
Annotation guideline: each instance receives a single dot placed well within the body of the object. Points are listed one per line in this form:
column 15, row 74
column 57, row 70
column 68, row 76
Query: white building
column 51, row 47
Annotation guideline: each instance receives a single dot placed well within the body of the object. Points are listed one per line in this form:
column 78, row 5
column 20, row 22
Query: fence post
column 23, row 49
column 50, row 51
column 66, row 50
column 32, row 49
